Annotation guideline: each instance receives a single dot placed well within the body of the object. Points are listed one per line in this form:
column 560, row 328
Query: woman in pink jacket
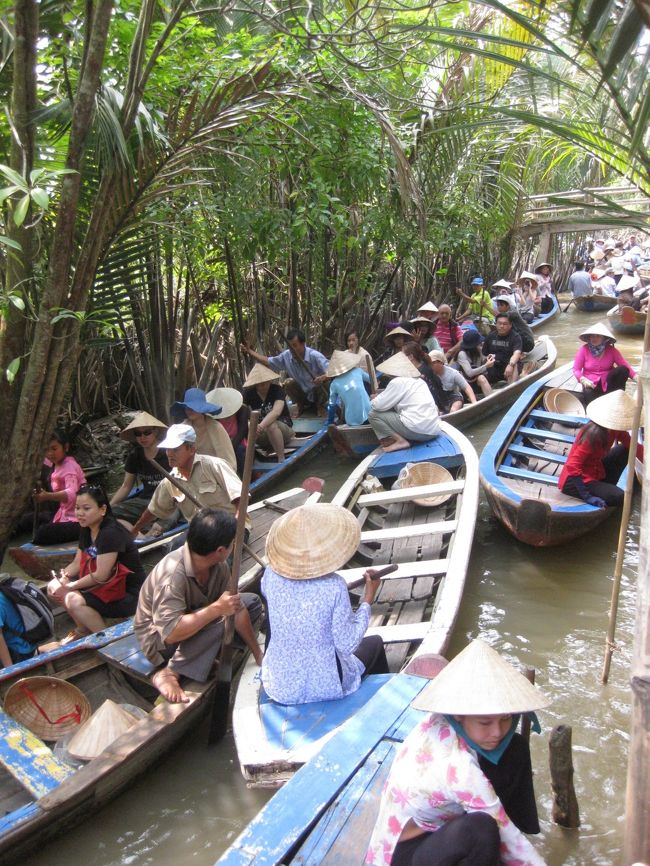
column 598, row 365
column 66, row 479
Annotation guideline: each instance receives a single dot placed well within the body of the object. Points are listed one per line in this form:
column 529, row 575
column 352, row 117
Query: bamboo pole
column 636, row 844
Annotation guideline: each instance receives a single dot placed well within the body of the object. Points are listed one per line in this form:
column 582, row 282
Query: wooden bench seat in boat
column 552, row 435
column 424, row 568
column 387, row 497
column 29, row 760
column 524, row 451
column 441, row 526
column 126, row 655
column 569, row 420
column 527, row 475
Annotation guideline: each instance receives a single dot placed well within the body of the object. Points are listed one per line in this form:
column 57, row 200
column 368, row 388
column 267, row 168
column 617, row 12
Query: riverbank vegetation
column 176, row 177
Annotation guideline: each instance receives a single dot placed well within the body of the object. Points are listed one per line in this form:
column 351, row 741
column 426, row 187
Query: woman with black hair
column 104, row 578
column 64, row 482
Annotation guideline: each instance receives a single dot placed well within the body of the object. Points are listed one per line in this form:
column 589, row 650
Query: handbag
column 113, row 589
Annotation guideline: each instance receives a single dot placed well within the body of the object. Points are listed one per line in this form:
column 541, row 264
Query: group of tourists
column 612, row 268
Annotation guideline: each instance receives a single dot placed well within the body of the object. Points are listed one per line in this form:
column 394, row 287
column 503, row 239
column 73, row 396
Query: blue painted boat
column 521, row 464
column 415, row 609
column 544, row 318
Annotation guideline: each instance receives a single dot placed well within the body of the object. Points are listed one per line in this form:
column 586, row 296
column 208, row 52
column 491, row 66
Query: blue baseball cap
column 477, row 281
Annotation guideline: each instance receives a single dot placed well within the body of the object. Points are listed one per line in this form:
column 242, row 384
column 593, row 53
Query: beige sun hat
column 142, row 419
column 625, row 283
column 598, row 328
column 615, row 411
column 422, row 320
column 597, row 254
column 478, row 682
column 312, row 540
column 260, row 373
column 438, row 355
column 399, row 365
column 543, row 265
column 341, row 362
column 105, row 725
column 419, row 474
column 527, row 275
column 429, row 307
column 47, row 706
column 230, row 400
column 397, row 331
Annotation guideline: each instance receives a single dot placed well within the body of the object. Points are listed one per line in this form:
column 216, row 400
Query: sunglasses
column 138, row 433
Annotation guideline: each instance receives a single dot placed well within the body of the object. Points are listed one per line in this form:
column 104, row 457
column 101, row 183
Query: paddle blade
column 221, row 703
column 313, row 484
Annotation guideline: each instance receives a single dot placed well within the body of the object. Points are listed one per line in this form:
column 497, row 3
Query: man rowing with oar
column 179, row 622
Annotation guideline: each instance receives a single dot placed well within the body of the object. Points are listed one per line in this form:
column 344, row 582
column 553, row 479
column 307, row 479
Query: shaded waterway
column 543, row 608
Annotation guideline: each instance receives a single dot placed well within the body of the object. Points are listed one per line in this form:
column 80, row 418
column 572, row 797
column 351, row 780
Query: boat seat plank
column 403, row 632
column 524, row 451
column 569, row 420
column 527, row 475
column 403, row 494
column 126, row 655
column 553, row 435
column 446, row 526
column 29, row 760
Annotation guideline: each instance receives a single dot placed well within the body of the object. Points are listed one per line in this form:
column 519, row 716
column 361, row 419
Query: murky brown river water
column 545, row 608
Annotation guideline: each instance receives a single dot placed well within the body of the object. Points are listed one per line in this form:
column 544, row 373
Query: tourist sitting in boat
column 211, row 437
column 429, row 311
column 233, row 417
column 144, row 434
column 306, row 367
column 66, row 479
column 599, row 453
column 316, row 650
column 580, row 284
column 14, row 647
column 394, row 339
column 353, row 344
column 104, row 578
column 605, row 283
column 212, row 481
column 479, row 303
column 448, row 332
column 347, row 389
column 460, row 789
column 263, row 394
column 453, row 383
column 405, row 411
column 423, row 333
column 506, row 346
column 471, row 362
column 518, row 325
column 543, row 272
column 529, row 303
column 179, row 622
column 424, row 365
column 598, row 365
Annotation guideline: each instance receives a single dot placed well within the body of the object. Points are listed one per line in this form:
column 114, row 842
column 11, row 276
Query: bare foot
column 398, row 444
column 167, row 683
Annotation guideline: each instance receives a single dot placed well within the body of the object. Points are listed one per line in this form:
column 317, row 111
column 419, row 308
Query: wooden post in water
column 565, row 803
column 636, row 844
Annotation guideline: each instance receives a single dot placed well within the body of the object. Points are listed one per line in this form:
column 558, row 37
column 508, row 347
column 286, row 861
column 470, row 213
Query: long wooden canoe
column 627, row 321
column 360, row 439
column 594, row 303
column 416, row 607
column 522, row 461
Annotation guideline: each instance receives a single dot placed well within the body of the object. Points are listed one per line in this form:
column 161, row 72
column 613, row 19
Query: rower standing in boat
column 179, row 622
column 598, row 365
column 460, row 790
column 317, row 650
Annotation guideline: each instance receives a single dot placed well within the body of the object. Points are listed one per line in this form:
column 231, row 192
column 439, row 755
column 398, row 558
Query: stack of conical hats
column 105, row 725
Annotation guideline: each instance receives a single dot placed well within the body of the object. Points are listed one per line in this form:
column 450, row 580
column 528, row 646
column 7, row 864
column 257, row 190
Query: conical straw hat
column 615, row 411
column 527, row 275
column 429, row 307
column 427, row 473
column 105, row 725
column 142, row 419
column 598, row 328
column 502, row 284
column 422, row 320
column 48, row 706
column 399, row 365
column 597, row 254
column 342, row 362
column 312, row 540
column 567, row 403
column 397, row 331
column 626, row 282
column 478, row 682
column 230, row 400
column 543, row 265
column 260, row 373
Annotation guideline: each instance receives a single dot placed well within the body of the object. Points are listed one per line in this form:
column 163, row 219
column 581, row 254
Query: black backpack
column 32, row 606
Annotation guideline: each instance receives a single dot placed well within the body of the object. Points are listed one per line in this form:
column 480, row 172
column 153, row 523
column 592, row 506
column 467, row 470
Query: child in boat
column 316, row 650
column 347, row 388
column 66, row 479
column 460, row 789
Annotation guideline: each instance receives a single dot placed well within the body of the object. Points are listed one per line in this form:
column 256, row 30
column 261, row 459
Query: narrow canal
column 545, row 608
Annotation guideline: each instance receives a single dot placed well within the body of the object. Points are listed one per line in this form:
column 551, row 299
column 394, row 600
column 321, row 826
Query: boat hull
column 594, row 303
column 633, row 326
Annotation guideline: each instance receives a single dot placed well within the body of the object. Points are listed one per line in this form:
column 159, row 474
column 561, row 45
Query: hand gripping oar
column 221, row 705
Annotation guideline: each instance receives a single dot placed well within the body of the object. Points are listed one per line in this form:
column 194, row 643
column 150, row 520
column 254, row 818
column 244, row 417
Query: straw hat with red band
column 47, row 706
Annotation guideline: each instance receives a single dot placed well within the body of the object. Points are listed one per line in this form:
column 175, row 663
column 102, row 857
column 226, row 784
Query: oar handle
column 177, row 482
column 379, row 573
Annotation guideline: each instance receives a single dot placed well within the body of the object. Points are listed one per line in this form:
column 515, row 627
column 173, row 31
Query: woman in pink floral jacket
column 460, row 790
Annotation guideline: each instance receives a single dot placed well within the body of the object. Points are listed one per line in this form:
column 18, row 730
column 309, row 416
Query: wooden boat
column 310, row 435
column 416, row 606
column 594, row 303
column 544, row 318
column 625, row 320
column 324, row 816
column 43, row 791
column 522, row 461
column 360, row 439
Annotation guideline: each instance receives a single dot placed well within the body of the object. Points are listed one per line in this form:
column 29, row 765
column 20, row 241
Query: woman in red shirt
column 599, row 453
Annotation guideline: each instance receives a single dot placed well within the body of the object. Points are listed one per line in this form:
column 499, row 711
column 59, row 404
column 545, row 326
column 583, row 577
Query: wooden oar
column 568, row 305
column 221, row 705
column 379, row 573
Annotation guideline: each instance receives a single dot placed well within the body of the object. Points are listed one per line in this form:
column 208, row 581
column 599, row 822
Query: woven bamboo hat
column 427, row 473
column 478, row 682
column 626, row 283
column 312, row 540
column 543, row 265
column 141, row 420
column 260, row 373
column 598, row 328
column 563, row 402
column 597, row 254
column 502, row 284
column 341, row 362
column 422, row 320
column 399, row 365
column 230, row 400
column 615, row 411
column 47, row 706
column 396, row 332
column 527, row 275
column 105, row 725
column 429, row 307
